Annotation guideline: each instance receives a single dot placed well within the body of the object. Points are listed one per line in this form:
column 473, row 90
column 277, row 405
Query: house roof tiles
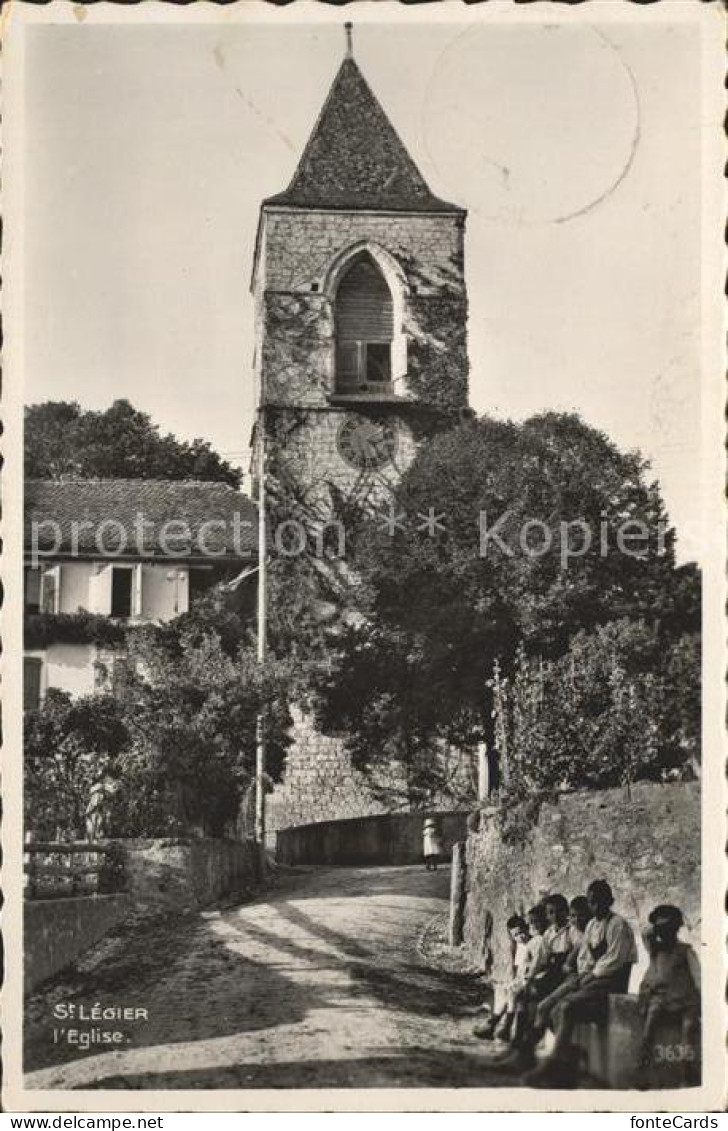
column 139, row 518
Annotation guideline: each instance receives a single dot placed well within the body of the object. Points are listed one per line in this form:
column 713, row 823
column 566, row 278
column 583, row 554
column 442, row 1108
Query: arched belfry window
column 364, row 329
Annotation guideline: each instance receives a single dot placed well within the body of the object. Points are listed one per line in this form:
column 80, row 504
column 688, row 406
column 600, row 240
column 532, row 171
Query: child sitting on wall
column 534, row 962
column 577, row 961
column 610, row 952
column 518, row 931
column 536, row 965
column 670, row 988
column 579, row 916
column 558, row 943
column 536, row 946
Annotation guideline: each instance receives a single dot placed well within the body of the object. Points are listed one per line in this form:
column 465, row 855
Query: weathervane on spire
column 349, row 29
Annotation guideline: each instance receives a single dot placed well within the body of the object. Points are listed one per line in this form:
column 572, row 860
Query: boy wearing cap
column 670, row 988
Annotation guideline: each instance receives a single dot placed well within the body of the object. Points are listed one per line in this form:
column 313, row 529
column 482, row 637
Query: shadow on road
column 268, row 965
column 183, row 974
column 310, row 881
column 410, row 987
column 415, row 1068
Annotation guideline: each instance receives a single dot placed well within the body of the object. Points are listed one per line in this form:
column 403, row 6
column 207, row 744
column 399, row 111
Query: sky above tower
column 575, row 150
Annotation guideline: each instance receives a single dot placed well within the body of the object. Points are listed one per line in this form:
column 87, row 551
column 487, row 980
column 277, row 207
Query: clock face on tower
column 367, row 445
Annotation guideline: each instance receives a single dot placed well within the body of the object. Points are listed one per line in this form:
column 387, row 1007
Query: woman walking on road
column 431, row 843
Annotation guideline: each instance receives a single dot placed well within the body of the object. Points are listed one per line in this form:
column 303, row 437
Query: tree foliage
column 175, row 751
column 612, row 710
column 191, row 709
column 64, row 441
column 440, row 606
column 69, row 745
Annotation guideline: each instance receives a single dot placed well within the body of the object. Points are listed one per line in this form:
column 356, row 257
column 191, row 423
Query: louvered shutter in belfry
column 364, row 305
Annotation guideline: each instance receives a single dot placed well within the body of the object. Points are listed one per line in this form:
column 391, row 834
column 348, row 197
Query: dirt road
column 320, row 984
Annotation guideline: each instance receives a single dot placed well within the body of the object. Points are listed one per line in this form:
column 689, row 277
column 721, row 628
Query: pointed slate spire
column 354, row 157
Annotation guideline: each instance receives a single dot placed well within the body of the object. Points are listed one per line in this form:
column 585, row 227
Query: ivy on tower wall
column 298, row 318
column 297, row 344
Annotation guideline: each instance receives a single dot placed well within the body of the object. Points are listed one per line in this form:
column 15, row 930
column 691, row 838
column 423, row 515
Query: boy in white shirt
column 577, row 961
column 558, row 944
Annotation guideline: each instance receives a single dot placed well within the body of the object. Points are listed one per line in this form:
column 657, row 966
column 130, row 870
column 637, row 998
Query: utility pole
column 262, row 585
column 483, row 774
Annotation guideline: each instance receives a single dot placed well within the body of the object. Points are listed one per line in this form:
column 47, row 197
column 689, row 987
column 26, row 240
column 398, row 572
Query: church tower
column 360, row 300
column 360, row 351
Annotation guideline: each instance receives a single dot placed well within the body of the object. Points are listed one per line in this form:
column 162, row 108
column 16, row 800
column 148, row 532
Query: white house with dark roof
column 130, row 550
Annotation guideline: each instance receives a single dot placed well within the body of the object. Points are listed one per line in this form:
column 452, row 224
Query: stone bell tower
column 361, row 316
column 360, row 299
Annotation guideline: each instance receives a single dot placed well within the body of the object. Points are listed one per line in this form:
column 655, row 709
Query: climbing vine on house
column 42, row 629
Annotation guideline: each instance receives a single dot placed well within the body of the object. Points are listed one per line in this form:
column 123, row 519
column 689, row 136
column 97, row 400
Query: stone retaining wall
column 647, row 845
column 320, row 783
column 394, row 838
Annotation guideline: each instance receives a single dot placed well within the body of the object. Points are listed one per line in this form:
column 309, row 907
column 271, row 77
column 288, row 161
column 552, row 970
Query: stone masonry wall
column 320, row 783
column 297, row 314
column 647, row 846
column 183, row 873
column 393, row 838
column 300, row 246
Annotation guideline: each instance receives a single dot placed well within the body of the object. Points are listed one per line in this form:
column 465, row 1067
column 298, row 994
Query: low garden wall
column 173, row 875
column 180, row 874
column 645, row 844
column 392, row 838
column 57, row 930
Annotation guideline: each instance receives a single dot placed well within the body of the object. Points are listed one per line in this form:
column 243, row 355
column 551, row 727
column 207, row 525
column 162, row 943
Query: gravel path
column 321, row 983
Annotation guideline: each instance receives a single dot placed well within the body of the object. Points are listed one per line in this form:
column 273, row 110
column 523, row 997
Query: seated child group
column 567, row 958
